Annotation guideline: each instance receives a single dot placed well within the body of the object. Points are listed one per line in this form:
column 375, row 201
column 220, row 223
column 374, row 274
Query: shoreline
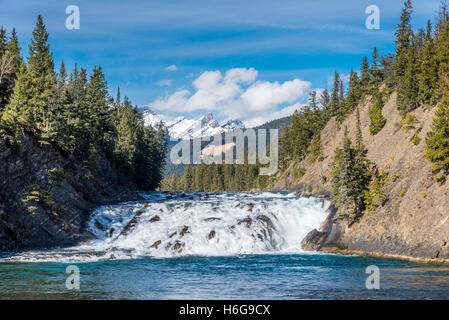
column 336, row 250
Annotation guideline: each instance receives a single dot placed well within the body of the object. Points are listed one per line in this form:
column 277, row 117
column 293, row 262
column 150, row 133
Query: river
column 211, row 246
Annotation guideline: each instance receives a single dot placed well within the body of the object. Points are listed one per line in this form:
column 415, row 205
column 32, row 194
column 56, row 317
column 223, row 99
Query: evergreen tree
column 10, row 62
column 40, row 69
column 428, row 76
column 335, row 96
column 375, row 71
column 443, row 57
column 365, row 74
column 437, row 140
column 377, row 120
column 350, row 179
column 403, row 41
column 408, row 86
column 354, row 92
column 100, row 126
column 325, row 101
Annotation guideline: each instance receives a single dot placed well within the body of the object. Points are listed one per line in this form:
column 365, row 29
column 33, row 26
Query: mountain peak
column 181, row 128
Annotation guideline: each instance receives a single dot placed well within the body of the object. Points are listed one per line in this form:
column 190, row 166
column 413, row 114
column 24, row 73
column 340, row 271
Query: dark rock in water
column 169, row 196
column 251, row 205
column 132, row 222
column 313, row 240
column 139, row 213
column 173, row 234
column 162, row 201
column 191, row 198
column 155, row 218
column 248, row 222
column 237, row 205
column 156, row 244
column 145, row 205
column 184, row 231
column 98, row 225
column 211, row 234
column 266, row 220
column 182, row 195
column 177, row 246
column 211, row 219
column 128, row 226
column 110, row 232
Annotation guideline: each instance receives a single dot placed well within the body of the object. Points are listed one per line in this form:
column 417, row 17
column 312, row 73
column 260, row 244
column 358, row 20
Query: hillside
column 413, row 220
column 60, row 210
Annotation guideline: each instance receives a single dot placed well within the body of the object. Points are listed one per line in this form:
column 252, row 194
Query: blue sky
column 135, row 42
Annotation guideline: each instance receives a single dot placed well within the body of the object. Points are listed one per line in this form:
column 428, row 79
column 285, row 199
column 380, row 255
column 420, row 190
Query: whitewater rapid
column 204, row 224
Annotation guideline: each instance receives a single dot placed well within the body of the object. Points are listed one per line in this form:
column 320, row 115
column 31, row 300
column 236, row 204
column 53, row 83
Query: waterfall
column 205, row 224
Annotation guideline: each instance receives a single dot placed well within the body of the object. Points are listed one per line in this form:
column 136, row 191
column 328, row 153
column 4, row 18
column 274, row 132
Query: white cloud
column 284, row 112
column 164, row 83
column 172, row 68
column 236, row 94
column 264, row 95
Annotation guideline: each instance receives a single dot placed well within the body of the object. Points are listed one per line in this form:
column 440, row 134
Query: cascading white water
column 169, row 225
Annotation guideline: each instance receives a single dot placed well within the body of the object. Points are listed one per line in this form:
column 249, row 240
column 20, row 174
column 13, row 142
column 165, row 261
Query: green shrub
column 416, row 140
column 375, row 196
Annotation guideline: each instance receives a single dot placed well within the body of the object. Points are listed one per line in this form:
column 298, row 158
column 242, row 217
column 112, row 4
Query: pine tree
column 335, row 96
column 408, row 86
column 428, row 76
column 315, row 148
column 443, row 57
column 325, row 101
column 437, row 140
column 350, row 178
column 377, row 120
column 19, row 113
column 10, row 62
column 127, row 141
column 365, row 74
column 403, row 41
column 100, row 126
column 40, row 69
column 117, row 100
column 354, row 93
column 375, row 71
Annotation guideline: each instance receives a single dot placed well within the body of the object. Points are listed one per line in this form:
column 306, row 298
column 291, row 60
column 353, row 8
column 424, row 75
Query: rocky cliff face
column 414, row 219
column 58, row 212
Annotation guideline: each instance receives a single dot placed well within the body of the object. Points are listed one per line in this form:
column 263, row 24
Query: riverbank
column 46, row 196
column 412, row 222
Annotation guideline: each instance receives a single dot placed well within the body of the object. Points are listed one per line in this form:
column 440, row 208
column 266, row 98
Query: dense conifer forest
column 75, row 112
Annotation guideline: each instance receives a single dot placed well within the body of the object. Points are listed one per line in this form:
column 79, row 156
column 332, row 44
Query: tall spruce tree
column 377, row 120
column 403, row 34
column 350, row 178
column 443, row 57
column 437, row 140
column 335, row 96
column 375, row 70
column 365, row 74
column 428, row 75
column 40, row 69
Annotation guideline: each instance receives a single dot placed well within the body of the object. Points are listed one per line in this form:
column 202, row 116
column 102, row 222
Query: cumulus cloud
column 164, row 83
column 172, row 68
column 261, row 119
column 236, row 94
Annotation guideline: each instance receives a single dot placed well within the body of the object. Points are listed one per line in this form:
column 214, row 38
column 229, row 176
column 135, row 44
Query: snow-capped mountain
column 181, row 128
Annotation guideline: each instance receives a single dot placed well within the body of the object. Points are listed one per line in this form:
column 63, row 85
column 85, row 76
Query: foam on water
column 219, row 224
